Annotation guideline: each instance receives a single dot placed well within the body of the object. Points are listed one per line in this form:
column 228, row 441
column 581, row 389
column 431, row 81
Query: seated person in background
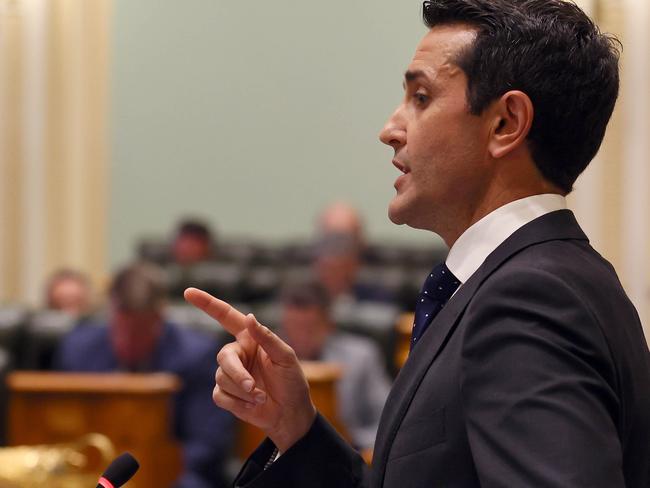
column 338, row 249
column 342, row 218
column 364, row 386
column 69, row 291
column 136, row 339
column 193, row 243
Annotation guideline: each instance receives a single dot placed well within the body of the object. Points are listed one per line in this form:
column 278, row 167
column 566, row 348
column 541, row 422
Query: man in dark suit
column 528, row 365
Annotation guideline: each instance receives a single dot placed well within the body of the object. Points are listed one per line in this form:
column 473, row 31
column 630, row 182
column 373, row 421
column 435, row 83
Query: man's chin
column 396, row 214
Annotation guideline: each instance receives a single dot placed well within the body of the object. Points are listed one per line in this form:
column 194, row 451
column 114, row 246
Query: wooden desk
column 322, row 378
column 133, row 410
column 404, row 330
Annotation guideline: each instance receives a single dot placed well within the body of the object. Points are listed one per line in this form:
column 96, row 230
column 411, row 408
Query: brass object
column 66, row 465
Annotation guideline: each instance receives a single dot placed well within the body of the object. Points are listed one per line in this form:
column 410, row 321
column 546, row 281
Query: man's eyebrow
column 414, row 75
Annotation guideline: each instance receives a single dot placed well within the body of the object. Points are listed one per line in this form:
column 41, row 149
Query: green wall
column 254, row 115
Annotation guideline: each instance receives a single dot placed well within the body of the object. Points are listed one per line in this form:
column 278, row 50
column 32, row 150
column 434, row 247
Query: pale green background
column 254, row 115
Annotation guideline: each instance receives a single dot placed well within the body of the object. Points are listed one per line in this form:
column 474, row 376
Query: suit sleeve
column 538, row 386
column 321, row 459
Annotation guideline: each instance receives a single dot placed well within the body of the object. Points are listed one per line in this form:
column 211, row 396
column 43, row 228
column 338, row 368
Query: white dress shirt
column 478, row 241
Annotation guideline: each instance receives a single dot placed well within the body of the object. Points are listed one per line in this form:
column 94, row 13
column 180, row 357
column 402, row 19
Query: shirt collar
column 480, row 239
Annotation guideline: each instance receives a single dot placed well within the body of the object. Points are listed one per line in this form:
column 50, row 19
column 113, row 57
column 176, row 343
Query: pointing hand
column 259, row 378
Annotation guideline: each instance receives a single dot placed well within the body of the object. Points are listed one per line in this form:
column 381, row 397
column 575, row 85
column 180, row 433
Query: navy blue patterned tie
column 438, row 288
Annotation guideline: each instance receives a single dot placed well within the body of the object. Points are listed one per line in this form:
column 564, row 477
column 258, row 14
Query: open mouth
column 400, row 167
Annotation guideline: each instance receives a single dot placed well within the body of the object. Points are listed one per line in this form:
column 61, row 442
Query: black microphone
column 119, row 471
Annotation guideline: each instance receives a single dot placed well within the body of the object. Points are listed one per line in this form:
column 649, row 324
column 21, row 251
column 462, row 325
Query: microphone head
column 121, row 469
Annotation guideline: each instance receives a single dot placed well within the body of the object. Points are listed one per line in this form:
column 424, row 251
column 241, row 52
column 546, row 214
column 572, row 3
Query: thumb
column 279, row 352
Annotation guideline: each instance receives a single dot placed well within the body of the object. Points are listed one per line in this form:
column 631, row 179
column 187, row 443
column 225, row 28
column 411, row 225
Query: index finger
column 229, row 317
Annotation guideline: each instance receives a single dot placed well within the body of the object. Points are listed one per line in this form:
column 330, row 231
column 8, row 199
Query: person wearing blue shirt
column 137, row 339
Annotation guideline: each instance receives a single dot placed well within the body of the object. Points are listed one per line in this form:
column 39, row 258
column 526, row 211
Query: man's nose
column 394, row 134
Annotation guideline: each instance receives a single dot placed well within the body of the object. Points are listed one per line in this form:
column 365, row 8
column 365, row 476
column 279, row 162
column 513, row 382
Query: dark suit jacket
column 535, row 374
column 205, row 431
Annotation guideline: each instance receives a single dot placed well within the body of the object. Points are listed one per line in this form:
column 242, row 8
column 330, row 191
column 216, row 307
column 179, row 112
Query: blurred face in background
column 337, row 272
column 337, row 262
column 70, row 295
column 306, row 328
column 134, row 335
column 191, row 249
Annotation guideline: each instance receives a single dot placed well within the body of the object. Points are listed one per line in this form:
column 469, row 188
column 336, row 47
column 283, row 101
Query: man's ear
column 513, row 118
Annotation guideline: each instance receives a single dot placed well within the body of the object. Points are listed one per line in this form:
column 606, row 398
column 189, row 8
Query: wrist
column 287, row 435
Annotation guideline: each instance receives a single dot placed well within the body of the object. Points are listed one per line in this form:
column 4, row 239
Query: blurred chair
column 261, row 283
column 43, row 332
column 12, row 324
column 238, row 251
column 386, row 279
column 299, row 253
column 411, row 287
column 155, row 251
column 5, row 366
column 223, row 280
column 190, row 317
column 373, row 320
column 269, row 255
column 269, row 313
column 386, row 254
column 296, row 272
column 425, row 258
column 404, row 328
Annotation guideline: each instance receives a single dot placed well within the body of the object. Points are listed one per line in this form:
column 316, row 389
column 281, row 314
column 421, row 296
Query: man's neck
column 489, row 204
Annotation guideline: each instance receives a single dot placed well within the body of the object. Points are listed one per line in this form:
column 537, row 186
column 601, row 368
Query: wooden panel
column 404, row 330
column 134, row 411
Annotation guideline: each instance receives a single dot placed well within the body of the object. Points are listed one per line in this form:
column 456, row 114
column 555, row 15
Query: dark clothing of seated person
column 136, row 339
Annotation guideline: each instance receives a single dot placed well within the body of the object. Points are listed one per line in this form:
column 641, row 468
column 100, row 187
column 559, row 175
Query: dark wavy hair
column 553, row 52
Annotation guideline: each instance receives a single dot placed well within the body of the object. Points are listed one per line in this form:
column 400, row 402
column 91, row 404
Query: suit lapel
column 553, row 226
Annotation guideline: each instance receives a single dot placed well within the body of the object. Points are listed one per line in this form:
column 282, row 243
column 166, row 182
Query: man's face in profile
column 439, row 146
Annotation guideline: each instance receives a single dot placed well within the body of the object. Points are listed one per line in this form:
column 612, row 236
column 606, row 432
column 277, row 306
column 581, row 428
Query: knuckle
column 225, row 312
column 218, row 376
column 219, row 398
column 222, row 355
column 290, row 354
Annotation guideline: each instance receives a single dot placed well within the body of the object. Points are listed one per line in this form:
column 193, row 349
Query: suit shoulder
column 572, row 262
column 562, row 293
column 559, row 282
